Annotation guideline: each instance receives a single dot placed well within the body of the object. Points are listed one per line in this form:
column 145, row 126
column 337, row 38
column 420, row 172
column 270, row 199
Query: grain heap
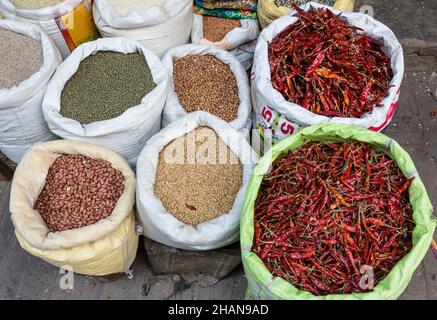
column 203, row 82
column 195, row 191
column 35, row 4
column 215, row 29
column 123, row 7
column 79, row 191
column 105, row 85
column 20, row 57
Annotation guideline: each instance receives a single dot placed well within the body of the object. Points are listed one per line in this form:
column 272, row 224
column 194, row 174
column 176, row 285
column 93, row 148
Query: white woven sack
column 248, row 31
column 273, row 112
column 173, row 110
column 159, row 28
column 125, row 134
column 163, row 227
column 49, row 19
column 21, row 120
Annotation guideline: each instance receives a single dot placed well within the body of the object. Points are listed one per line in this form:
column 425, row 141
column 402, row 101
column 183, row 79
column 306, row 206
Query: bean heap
column 79, row 191
column 197, row 192
column 208, row 84
column 105, row 85
column 35, row 4
column 325, row 65
column 215, row 28
column 20, row 57
column 326, row 210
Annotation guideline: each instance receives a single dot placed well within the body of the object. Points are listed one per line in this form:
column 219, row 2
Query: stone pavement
column 23, row 276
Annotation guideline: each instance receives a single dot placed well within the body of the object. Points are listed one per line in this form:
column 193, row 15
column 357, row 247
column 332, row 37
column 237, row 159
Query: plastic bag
column 125, row 134
column 173, row 109
column 158, row 28
column 105, row 247
column 273, row 112
column 162, row 226
column 261, row 283
column 268, row 11
column 21, row 120
column 248, row 31
column 68, row 24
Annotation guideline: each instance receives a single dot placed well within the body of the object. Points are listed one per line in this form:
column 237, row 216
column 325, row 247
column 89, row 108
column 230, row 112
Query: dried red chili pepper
column 337, row 71
column 326, row 209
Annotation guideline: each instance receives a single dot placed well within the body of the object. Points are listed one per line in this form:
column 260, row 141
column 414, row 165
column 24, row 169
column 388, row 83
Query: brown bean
column 79, row 191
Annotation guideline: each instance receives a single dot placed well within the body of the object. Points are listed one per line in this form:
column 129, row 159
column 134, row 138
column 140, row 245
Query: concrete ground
column 23, row 276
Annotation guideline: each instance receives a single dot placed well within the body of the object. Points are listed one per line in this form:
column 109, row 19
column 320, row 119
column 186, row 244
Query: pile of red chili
column 327, row 212
column 328, row 66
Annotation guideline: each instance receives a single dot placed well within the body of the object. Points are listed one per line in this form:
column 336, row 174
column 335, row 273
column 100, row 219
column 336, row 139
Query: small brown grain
column 215, row 28
column 203, row 82
column 196, row 192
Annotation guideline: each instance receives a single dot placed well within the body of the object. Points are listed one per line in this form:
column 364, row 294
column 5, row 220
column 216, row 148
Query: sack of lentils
column 209, row 79
column 28, row 59
column 158, row 24
column 234, row 35
column 334, row 212
column 109, row 92
column 69, row 23
column 72, row 204
column 342, row 67
column 191, row 181
column 224, row 33
column 270, row 10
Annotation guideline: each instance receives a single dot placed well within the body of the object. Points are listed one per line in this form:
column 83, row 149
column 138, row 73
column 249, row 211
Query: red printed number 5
column 267, row 114
column 287, row 128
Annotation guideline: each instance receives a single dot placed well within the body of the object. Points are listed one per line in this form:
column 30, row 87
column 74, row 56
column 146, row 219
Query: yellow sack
column 268, row 11
column 108, row 246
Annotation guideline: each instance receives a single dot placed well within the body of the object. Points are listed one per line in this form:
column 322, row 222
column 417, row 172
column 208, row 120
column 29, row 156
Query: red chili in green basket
column 328, row 66
column 326, row 210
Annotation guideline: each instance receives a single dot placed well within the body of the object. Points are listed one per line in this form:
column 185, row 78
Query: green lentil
column 105, row 85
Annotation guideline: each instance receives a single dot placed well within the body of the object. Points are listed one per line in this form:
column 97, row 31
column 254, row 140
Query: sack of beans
column 223, row 33
column 269, row 10
column 191, row 181
column 69, row 23
column 209, row 79
column 234, row 35
column 109, row 92
column 28, row 59
column 159, row 24
column 72, row 205
column 352, row 76
column 334, row 212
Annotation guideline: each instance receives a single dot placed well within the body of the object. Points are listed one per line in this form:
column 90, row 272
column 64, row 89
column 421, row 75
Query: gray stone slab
column 408, row 19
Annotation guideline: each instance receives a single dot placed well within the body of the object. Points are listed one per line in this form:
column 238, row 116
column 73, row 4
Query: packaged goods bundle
column 191, row 182
column 109, row 92
column 209, row 79
column 68, row 23
column 28, row 59
column 72, row 205
column 233, row 35
column 334, row 212
column 351, row 77
column 270, row 10
column 233, row 9
column 159, row 25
